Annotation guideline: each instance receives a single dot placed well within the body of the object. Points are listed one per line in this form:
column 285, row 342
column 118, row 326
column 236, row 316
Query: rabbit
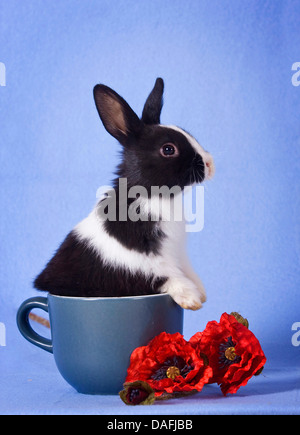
column 118, row 257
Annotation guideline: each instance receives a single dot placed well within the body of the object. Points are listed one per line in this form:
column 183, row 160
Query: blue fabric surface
column 31, row 384
column 227, row 67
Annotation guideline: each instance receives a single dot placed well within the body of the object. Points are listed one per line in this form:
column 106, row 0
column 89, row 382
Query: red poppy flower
column 233, row 352
column 169, row 364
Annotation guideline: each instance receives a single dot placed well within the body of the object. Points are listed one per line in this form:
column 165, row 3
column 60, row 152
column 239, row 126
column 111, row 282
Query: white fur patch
column 92, row 231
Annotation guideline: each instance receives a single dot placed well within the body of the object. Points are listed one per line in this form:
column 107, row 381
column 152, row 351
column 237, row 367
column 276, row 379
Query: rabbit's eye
column 169, row 150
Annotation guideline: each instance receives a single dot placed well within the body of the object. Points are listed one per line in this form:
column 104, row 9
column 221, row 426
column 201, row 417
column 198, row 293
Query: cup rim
column 84, row 298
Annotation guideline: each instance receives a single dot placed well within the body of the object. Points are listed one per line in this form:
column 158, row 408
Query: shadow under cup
column 93, row 338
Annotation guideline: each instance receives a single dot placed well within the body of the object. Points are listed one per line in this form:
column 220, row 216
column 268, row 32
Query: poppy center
column 230, row 354
column 172, row 367
column 227, row 353
column 172, row 372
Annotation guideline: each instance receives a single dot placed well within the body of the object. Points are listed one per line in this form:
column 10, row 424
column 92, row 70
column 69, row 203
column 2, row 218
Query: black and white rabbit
column 113, row 258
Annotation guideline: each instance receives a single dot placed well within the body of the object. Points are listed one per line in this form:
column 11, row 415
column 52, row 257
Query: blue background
column 227, row 71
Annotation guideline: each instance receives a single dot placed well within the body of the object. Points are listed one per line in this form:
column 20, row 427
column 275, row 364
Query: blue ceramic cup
column 93, row 338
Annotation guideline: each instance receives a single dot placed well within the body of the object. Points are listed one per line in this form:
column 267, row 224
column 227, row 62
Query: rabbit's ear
column 117, row 116
column 154, row 103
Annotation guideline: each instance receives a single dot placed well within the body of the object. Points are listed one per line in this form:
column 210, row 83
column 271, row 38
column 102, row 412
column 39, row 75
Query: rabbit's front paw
column 185, row 295
column 188, row 301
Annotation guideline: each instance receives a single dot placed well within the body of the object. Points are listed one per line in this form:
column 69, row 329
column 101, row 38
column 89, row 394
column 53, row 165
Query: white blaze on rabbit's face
column 206, row 156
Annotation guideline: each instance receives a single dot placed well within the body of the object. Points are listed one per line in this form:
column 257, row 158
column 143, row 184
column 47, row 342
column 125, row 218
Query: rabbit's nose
column 209, row 163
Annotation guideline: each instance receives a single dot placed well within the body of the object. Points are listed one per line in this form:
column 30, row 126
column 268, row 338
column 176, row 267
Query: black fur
column 143, row 236
column 143, row 164
column 154, row 103
column 76, row 269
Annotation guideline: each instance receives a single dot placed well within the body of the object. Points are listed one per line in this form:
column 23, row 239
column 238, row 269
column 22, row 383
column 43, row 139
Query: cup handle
column 25, row 327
